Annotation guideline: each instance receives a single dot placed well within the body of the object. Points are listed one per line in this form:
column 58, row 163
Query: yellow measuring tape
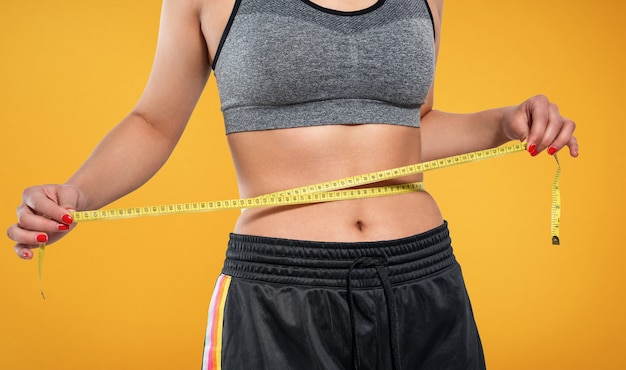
column 330, row 191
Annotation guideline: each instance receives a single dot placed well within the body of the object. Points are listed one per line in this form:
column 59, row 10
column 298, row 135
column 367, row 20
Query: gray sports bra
column 292, row 63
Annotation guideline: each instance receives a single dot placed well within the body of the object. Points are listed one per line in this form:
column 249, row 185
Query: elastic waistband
column 327, row 263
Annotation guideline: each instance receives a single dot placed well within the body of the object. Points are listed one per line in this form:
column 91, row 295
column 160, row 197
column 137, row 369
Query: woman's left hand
column 538, row 122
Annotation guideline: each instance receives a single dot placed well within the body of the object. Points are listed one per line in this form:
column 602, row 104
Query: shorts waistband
column 327, row 263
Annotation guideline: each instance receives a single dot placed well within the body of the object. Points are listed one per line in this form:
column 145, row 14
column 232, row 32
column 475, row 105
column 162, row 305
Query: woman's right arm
column 138, row 146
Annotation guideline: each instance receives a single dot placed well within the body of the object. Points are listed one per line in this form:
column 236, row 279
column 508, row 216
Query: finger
column 564, row 137
column 553, row 129
column 44, row 200
column 24, row 251
column 573, row 146
column 30, row 221
column 26, row 237
column 68, row 199
column 539, row 114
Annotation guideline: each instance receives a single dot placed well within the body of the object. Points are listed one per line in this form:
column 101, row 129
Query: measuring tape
column 555, row 214
column 330, row 191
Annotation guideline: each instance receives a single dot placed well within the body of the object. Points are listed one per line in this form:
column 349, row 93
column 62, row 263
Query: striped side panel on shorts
column 213, row 342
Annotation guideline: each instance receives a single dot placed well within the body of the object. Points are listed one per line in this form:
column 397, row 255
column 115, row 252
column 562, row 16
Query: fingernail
column 42, row 238
column 62, row 227
column 534, row 153
column 26, row 254
column 67, row 219
column 552, row 150
column 532, row 148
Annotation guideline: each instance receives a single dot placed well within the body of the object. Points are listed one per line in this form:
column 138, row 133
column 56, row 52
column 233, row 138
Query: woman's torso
column 277, row 159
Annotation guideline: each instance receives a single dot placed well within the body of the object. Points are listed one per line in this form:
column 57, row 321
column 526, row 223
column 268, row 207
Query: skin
column 268, row 161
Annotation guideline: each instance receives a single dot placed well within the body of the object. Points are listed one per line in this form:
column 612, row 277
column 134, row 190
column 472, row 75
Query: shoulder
column 197, row 8
column 436, row 7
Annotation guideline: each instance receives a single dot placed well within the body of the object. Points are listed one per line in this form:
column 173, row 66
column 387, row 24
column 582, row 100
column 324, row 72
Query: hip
column 331, row 305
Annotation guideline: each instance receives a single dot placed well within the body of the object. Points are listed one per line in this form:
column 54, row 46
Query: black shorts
column 286, row 304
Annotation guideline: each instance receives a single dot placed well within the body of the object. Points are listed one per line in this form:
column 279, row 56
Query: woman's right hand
column 43, row 217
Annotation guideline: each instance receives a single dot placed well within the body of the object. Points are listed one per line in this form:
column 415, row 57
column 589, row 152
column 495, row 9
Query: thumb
column 515, row 123
column 69, row 198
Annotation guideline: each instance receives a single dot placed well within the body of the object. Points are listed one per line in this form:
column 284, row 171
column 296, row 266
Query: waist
column 290, row 261
column 361, row 220
column 268, row 161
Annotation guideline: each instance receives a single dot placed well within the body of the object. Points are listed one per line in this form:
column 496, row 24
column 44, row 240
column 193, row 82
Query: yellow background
column 133, row 294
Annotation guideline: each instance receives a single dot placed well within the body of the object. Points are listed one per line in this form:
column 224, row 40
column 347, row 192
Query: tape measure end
column 555, row 240
column 42, row 250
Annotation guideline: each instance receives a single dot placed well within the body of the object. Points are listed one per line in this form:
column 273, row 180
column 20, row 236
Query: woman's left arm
column 537, row 121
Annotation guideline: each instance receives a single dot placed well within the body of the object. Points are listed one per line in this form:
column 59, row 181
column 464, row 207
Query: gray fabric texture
column 289, row 63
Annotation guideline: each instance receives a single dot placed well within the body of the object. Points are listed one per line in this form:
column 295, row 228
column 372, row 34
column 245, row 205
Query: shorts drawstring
column 380, row 264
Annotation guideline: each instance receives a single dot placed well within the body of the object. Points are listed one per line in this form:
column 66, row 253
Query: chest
column 296, row 51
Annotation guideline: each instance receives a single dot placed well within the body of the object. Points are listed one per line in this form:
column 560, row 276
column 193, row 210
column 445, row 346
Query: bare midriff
column 268, row 161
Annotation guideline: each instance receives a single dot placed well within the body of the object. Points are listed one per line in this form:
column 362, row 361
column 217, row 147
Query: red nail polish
column 67, row 219
column 62, row 227
column 532, row 148
column 534, row 153
column 27, row 255
column 552, row 150
column 42, row 238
